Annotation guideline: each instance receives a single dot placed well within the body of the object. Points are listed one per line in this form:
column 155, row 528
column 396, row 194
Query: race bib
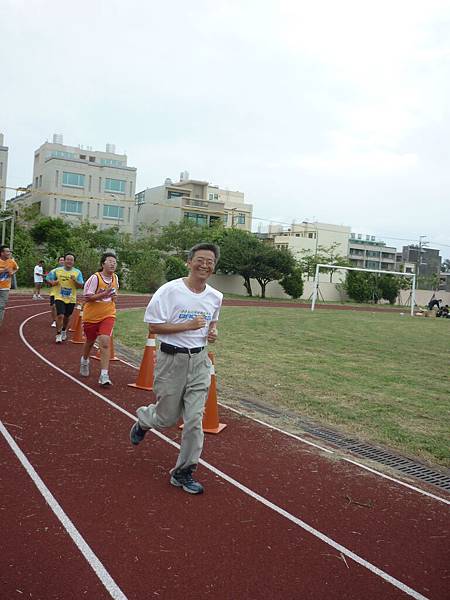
column 66, row 292
column 4, row 275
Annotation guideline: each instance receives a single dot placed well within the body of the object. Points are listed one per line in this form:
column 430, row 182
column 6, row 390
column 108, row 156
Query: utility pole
column 419, row 259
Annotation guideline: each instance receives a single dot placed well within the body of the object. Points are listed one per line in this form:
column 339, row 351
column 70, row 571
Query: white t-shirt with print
column 174, row 302
column 38, row 274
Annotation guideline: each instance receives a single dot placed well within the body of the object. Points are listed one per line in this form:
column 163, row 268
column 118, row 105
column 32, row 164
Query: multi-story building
column 365, row 252
column 196, row 201
column 3, row 172
column 427, row 261
column 78, row 183
column 404, row 266
column 310, row 236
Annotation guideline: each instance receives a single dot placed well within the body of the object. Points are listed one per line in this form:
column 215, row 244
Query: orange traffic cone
column 211, row 414
column 112, row 353
column 75, row 318
column 78, row 336
column 146, row 371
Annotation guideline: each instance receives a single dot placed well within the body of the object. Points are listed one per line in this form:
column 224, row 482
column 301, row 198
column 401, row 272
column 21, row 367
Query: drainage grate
column 404, row 465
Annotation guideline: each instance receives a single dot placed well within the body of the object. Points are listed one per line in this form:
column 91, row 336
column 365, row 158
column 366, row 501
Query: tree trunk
column 248, row 286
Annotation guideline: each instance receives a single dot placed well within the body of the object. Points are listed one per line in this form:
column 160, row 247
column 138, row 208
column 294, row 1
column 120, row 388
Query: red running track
column 275, row 520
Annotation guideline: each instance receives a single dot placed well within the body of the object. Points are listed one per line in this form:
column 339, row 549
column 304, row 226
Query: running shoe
column 183, row 478
column 104, row 379
column 84, row 368
column 58, row 338
column 53, row 324
column 137, row 434
column 64, row 335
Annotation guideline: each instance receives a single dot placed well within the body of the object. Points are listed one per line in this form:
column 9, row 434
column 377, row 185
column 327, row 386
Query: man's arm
column 212, row 332
column 51, row 279
column 163, row 328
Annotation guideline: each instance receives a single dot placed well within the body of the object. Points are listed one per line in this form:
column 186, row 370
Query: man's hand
column 212, row 335
column 197, row 323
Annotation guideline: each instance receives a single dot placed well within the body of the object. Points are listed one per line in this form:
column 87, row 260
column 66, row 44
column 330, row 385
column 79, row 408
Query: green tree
column 175, row 268
column 178, row 238
column 292, row 283
column 27, row 256
column 389, row 287
column 53, row 233
column 360, row 286
column 147, row 273
column 238, row 251
column 271, row 264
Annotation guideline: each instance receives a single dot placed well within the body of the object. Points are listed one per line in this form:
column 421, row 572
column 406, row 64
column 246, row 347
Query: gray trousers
column 181, row 386
column 3, row 301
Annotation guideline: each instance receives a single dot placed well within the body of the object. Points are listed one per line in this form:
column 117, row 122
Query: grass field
column 382, row 377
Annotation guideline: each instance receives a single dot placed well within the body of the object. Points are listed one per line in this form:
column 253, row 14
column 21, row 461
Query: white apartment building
column 78, row 183
column 3, row 171
column 309, row 236
column 365, row 252
column 196, row 201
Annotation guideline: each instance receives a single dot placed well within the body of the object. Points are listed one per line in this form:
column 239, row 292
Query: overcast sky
column 335, row 111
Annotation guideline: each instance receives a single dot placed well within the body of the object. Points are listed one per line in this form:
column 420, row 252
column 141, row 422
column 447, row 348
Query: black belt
column 169, row 349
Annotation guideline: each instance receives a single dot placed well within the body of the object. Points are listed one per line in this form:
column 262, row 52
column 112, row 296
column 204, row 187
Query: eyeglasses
column 204, row 261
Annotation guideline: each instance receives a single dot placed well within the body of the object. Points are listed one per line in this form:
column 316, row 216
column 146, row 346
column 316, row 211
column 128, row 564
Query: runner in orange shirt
column 99, row 315
column 8, row 267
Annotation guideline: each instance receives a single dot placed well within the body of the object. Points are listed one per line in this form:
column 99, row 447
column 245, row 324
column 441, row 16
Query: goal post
column 336, row 267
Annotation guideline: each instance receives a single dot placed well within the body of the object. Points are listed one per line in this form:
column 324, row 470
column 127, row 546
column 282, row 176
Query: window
column 240, row 219
column 36, row 181
column 73, row 179
column 196, row 218
column 115, row 185
column 111, row 211
column 61, row 154
column 82, row 156
column 171, row 194
column 140, row 198
column 40, row 180
column 111, row 162
column 72, row 207
column 213, row 196
column 92, row 159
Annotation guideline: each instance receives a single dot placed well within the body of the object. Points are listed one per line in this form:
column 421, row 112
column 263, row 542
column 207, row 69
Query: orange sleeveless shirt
column 94, row 312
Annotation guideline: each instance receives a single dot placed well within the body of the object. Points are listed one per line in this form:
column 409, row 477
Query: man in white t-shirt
column 183, row 313
column 38, row 280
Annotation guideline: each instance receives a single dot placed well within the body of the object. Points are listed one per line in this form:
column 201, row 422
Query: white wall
column 234, row 284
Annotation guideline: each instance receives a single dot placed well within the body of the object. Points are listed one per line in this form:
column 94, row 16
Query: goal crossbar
column 336, row 267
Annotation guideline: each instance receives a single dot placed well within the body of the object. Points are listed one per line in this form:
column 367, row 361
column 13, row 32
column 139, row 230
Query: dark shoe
column 184, row 479
column 137, row 434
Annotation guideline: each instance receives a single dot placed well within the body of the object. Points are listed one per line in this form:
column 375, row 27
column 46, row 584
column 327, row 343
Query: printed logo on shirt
column 4, row 275
column 191, row 314
column 66, row 292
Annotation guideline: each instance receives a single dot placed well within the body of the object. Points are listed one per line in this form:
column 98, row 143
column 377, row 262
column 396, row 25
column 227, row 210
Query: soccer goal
column 336, row 267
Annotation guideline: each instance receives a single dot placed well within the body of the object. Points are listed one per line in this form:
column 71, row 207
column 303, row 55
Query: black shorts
column 64, row 308
column 52, row 300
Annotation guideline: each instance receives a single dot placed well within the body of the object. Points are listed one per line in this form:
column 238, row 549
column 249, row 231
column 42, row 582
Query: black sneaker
column 137, row 434
column 183, row 478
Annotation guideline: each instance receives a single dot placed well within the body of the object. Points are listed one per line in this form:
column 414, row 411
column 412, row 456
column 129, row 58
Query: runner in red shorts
column 99, row 315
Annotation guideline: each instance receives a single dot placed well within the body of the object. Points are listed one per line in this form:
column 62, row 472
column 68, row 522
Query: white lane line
column 93, row 561
column 324, row 538
column 323, row 449
column 19, row 306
